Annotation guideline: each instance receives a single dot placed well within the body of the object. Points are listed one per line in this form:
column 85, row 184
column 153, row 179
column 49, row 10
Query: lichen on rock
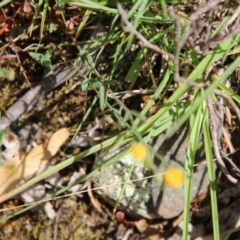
column 149, row 197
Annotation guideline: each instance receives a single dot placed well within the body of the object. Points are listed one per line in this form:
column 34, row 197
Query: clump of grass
column 187, row 69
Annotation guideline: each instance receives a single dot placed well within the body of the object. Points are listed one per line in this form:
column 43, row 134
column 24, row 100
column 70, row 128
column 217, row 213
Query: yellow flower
column 174, row 177
column 139, row 152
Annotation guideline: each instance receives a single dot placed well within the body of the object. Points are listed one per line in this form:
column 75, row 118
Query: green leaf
column 8, row 74
column 52, row 26
column 44, row 60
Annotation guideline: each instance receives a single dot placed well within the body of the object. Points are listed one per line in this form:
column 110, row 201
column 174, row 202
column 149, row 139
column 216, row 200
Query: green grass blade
column 135, row 66
column 143, row 6
column 35, row 15
column 110, row 142
column 91, row 5
column 5, row 2
column 123, row 188
column 208, row 91
column 229, row 91
column 85, row 116
column 195, row 125
column 211, row 174
column 64, row 189
column 44, row 14
column 83, row 23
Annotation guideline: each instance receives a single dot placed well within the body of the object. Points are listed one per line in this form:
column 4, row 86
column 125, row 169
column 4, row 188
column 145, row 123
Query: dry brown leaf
column 26, row 165
column 141, row 225
column 150, row 232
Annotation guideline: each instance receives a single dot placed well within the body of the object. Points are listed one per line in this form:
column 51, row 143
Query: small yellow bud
column 174, row 177
column 139, row 152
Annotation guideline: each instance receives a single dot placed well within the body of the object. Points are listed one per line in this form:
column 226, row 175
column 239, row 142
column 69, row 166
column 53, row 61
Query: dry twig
column 128, row 27
column 232, row 18
column 205, row 8
column 215, row 140
column 230, row 101
column 233, row 31
column 179, row 44
column 232, row 34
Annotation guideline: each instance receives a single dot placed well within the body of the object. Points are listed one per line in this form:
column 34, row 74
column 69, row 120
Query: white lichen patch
column 136, row 194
